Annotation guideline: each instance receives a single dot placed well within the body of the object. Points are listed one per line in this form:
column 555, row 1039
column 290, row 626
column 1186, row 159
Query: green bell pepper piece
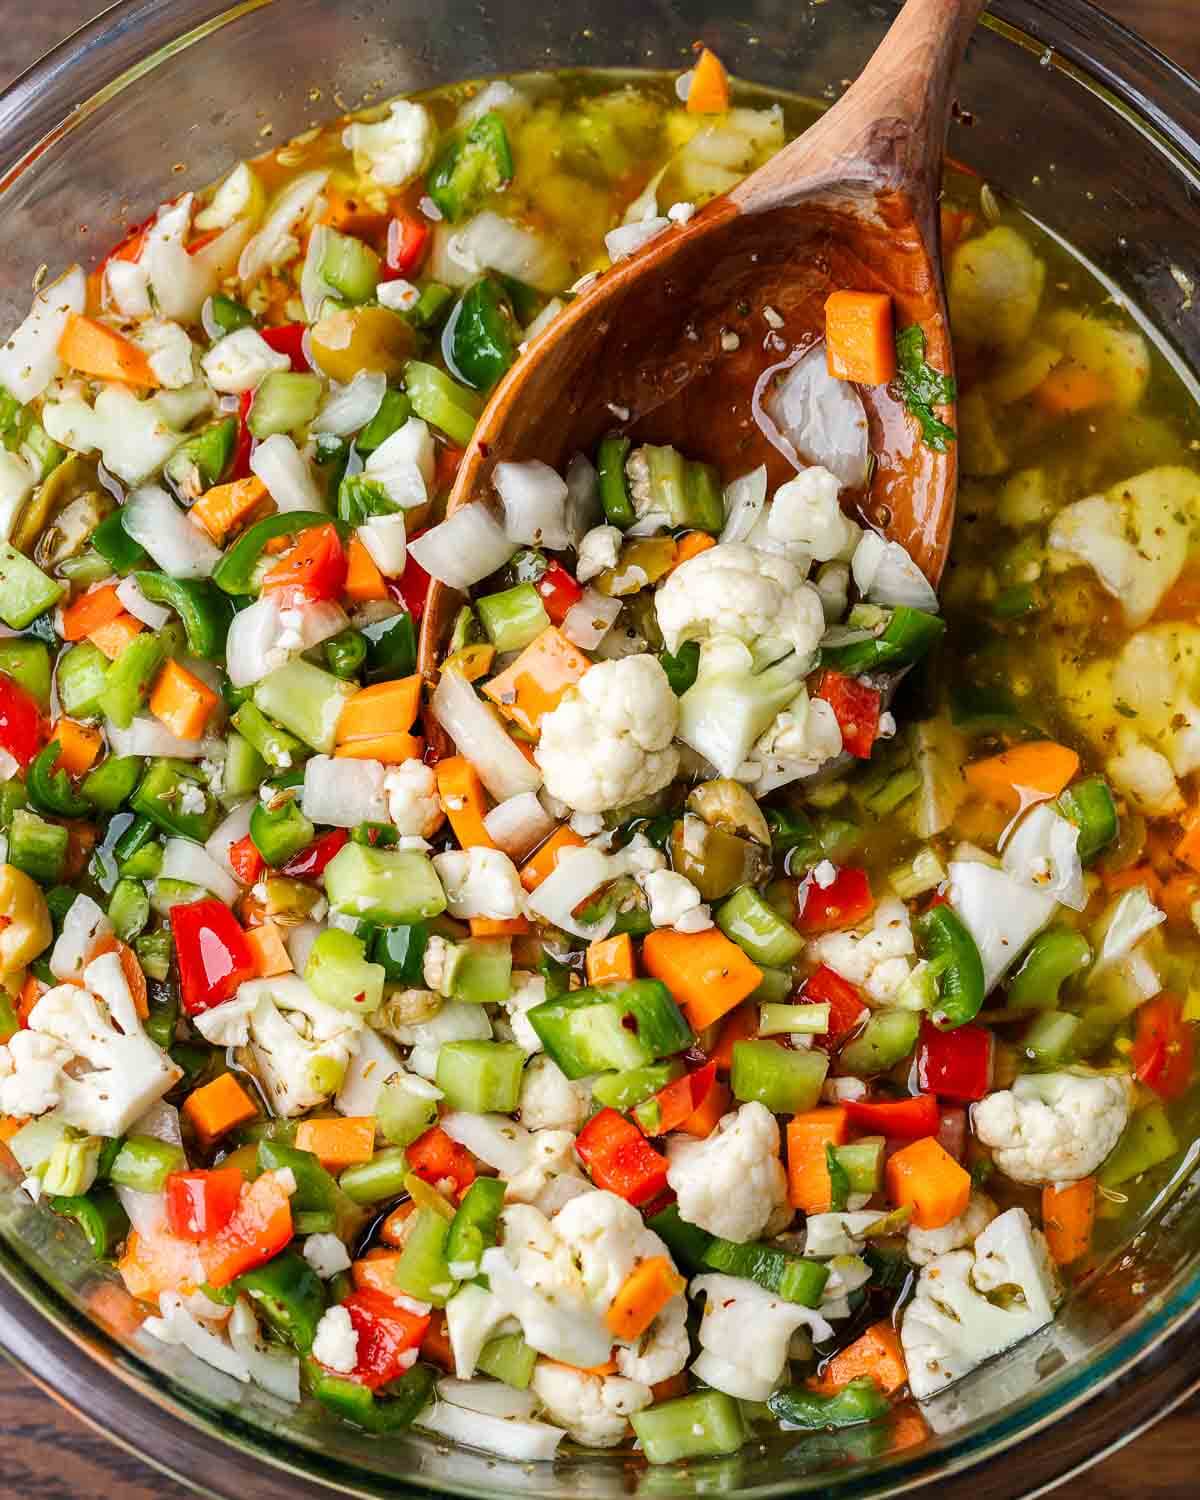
column 470, row 167
column 401, row 952
column 153, row 951
column 27, row 662
column 859, row 1401
column 37, row 847
column 484, row 334
column 345, row 653
column 786, row 1082
column 688, row 1243
column 1149, row 1140
column 381, row 1177
column 908, row 635
column 394, row 410
column 108, row 785
column 747, row 920
column 423, row 1271
column 228, row 314
column 704, row 1425
column 25, row 591
column 625, row 1091
column 278, row 832
column 206, row 613
column 406, row 1398
column 50, row 791
column 127, row 686
column 1089, row 805
column 614, row 485
column 887, row 1039
column 289, row 1295
column 274, row 746
column 1055, row 956
column 783, row 1272
column 199, row 462
column 617, row 1027
column 99, row 1215
column 159, row 797
column 315, row 1187
column 682, row 667
column 128, row 909
column 482, row 1077
column 508, row 1358
column 475, row 1227
column 955, row 963
column 391, row 648
column 117, row 547
column 144, row 1163
column 235, row 572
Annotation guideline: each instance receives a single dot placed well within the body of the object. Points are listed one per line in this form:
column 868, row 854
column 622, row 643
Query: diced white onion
column 404, row 464
column 267, row 1365
column 17, row 480
column 1043, row 853
column 578, row 873
column 534, row 499
column 519, row 823
column 583, row 509
column 161, row 1121
column 228, row 831
column 627, row 239
column 147, row 1211
column 275, row 242
column 182, row 279
column 543, row 319
column 252, row 646
column 148, row 736
column 492, row 1397
column 344, row 792
column 589, row 621
column 180, row 548
column 286, row 473
column 29, row 356
column 479, row 736
column 489, row 243
column 84, row 923
column 813, row 417
column 1129, row 919
column 350, row 407
column 464, row 548
column 386, row 541
column 183, row 860
column 744, row 501
column 523, row 1442
column 885, row 574
column 299, row 943
column 494, row 1139
column 141, row 608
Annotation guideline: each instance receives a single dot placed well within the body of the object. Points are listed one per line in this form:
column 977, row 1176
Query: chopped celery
column 71, row 1169
column 781, row 1271
column 786, row 1081
column 27, row 662
column 394, row 410
column 1047, row 1042
column 406, row 1107
column 483, row 1077
column 924, row 872
column 274, row 746
column 340, row 975
column 748, row 921
column 348, row 266
column 36, row 847
column 383, row 885
column 887, row 1038
column 781, row 1020
column 862, row 1162
column 1148, row 1141
column 699, row 1426
column 82, row 673
column 131, row 676
column 514, row 617
column 128, row 909
column 442, row 402
column 1056, row 955
column 470, row 166
column 381, row 1177
column 481, row 971
column 623, row 1091
column 25, row 591
column 144, row 1163
column 422, row 1271
column 284, row 401
column 304, row 699
column 110, row 784
column 508, row 1358
column 245, row 769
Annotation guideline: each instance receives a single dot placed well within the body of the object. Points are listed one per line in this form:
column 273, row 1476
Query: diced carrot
column 10, row 1124
column 927, row 1179
column 181, row 701
column 268, row 951
column 535, row 683
column 94, row 349
column 908, row 1429
column 1177, row 898
column 1187, row 850
column 1068, row 1214
column 220, row 509
column 541, row 863
column 364, row 581
column 337, row 1143
column 376, row 1272
column 1071, row 388
column 611, row 959
column 709, row 93
column 464, row 802
column 32, row 991
column 380, row 710
column 350, row 215
column 218, row 1107
column 116, row 635
column 393, row 1231
column 609, row 1367
column 692, row 544
column 808, row 1134
column 135, row 977
column 435, row 1346
column 876, row 1353
column 859, row 342
column 1182, row 599
column 641, row 1297
column 391, row 749
column 78, row 745
column 153, row 1263
column 489, row 927
column 707, row 974
column 705, row 1118
column 89, row 611
column 1139, row 874
column 672, row 1386
column 1025, row 773
column 81, row 840
column 737, row 1026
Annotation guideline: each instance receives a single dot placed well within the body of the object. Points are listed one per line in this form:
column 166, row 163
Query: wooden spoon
column 852, row 203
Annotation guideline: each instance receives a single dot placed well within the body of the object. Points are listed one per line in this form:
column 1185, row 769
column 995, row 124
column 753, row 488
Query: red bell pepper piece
column 312, row 861
column 199, row 1203
column 245, row 860
column 386, row 1333
column 435, row 1158
column 843, row 904
column 407, row 243
column 212, row 953
column 825, row 986
column 288, row 338
column 20, row 722
column 677, row 1102
column 245, row 438
column 1164, row 1047
column 260, row 1228
column 412, row 588
column 558, row 592
column 856, row 708
column 955, row 1064
column 315, row 568
column 620, row 1158
column 903, row 1119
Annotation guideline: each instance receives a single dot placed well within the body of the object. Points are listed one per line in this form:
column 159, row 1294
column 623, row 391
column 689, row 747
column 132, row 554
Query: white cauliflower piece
column 1145, row 776
column 833, row 584
column 473, row 1315
column 607, row 1238
column 549, row 1099
column 413, row 800
column 733, row 1182
column 404, row 464
column 551, row 1176
column 608, row 742
column 950, row 1326
column 168, row 352
column 733, row 589
column 599, row 548
column 135, row 437
column 240, row 194
column 662, row 1351
column 396, row 149
column 97, row 1026
column 801, row 738
column 925, row 1245
column 805, row 511
column 832, row 1234
column 84, row 925
column 336, row 1342
column 744, row 1336
column 528, row 990
column 127, row 288
column 594, row 1409
column 878, row 960
column 480, row 882
column 1053, row 1127
column 238, row 362
column 675, row 901
column 326, row 1254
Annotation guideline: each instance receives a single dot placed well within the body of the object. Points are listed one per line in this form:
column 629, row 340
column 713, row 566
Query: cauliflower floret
column 1145, row 776
column 744, row 1336
column 805, row 510
column 925, row 1245
column 950, row 1326
column 802, row 738
column 336, row 1341
column 528, row 990
column 480, row 882
column 879, row 960
column 598, row 549
column 550, row 1100
column 833, row 584
column 608, row 742
column 168, row 352
column 326, row 1254
column 97, row 1025
column 837, row 1233
column 551, row 1176
column 662, row 1351
column 675, row 902
column 239, row 361
column 83, row 926
column 594, row 1409
column 1053, row 1127
column 396, row 149
column 732, row 1183
column 413, row 800
column 607, row 1238
column 736, row 590
column 301, row 1046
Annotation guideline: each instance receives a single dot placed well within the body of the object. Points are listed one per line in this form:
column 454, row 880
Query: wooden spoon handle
column 887, row 132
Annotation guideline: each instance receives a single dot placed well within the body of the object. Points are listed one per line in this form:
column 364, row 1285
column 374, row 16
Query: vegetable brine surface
column 612, row 1073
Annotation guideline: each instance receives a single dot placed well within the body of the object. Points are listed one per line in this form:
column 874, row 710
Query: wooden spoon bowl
column 670, row 344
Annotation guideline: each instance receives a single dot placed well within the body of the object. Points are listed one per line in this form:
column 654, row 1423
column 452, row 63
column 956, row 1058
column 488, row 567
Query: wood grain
column 49, row 1455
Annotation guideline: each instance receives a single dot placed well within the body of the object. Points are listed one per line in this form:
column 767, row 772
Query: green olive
column 362, row 338
column 727, row 804
column 714, row 860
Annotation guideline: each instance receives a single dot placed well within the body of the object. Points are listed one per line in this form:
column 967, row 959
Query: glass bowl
column 1099, row 137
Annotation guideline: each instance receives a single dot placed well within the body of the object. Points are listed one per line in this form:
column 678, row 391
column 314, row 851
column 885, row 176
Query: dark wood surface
column 47, row 1454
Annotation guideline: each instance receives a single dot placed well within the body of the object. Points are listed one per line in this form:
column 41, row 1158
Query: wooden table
column 49, row 1455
